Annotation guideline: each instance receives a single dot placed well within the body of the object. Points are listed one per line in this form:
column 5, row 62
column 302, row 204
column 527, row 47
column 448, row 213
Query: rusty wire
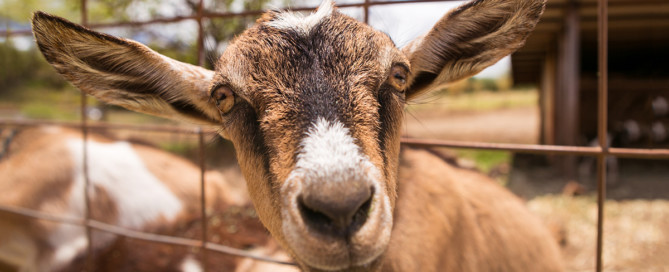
column 139, row 235
column 200, row 143
column 600, row 152
column 637, row 153
column 89, row 265
column 602, row 119
column 222, row 15
column 203, row 196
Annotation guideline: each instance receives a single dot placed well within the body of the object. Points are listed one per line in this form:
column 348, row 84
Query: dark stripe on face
column 251, row 139
column 390, row 114
column 327, row 70
column 317, row 91
column 321, row 100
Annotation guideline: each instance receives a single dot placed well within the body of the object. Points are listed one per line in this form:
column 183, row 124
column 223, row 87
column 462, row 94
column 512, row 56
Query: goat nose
column 337, row 210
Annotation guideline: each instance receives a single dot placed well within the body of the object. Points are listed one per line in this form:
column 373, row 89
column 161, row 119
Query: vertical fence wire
column 89, row 263
column 200, row 133
column 366, row 12
column 203, row 199
column 200, row 33
column 602, row 119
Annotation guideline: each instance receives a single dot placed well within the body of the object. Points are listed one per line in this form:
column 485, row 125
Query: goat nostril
column 314, row 217
column 337, row 214
column 360, row 216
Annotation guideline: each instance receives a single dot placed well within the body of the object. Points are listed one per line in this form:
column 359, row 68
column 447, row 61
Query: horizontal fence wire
column 221, row 15
column 637, row 153
column 151, row 237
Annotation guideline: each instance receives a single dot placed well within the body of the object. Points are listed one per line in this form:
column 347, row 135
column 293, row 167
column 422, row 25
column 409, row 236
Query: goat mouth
column 320, row 245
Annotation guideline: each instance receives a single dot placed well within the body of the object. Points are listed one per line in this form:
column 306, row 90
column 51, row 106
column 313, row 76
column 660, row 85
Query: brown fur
column 474, row 224
column 284, row 74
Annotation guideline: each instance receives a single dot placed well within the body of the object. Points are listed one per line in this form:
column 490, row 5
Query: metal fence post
column 203, row 199
column 89, row 264
column 602, row 119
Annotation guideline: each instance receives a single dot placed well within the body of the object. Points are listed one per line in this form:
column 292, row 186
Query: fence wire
column 600, row 152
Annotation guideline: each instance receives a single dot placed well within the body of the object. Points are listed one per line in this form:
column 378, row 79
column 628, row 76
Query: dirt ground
column 636, row 237
column 512, row 125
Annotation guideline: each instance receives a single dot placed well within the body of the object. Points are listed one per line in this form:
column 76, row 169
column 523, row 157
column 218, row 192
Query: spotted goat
column 133, row 186
column 314, row 105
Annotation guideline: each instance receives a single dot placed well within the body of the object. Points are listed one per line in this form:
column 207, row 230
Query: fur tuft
column 299, row 23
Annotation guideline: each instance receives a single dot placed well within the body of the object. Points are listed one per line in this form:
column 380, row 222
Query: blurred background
column 543, row 94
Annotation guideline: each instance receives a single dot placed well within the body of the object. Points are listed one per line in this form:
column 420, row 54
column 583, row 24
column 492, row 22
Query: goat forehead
column 336, row 48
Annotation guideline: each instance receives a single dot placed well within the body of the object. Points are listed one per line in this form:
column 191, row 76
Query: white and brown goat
column 314, row 106
column 132, row 186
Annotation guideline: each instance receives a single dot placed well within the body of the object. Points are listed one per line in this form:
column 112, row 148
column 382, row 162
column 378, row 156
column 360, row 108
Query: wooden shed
column 561, row 59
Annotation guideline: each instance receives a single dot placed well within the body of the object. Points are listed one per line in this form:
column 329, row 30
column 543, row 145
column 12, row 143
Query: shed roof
column 634, row 26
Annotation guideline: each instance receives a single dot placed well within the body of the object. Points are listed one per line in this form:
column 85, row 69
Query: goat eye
column 224, row 98
column 398, row 77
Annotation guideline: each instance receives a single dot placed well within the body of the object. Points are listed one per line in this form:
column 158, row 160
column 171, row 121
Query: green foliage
column 485, row 159
column 25, row 68
column 45, row 110
column 489, row 84
column 181, row 148
column 21, row 10
column 41, row 101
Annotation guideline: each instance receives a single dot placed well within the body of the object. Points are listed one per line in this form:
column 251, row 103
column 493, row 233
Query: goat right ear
column 469, row 39
column 124, row 72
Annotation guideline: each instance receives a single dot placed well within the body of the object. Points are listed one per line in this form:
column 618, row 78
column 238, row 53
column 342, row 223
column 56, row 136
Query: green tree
column 22, row 67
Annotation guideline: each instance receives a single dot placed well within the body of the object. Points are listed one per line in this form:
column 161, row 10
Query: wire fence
column 600, row 152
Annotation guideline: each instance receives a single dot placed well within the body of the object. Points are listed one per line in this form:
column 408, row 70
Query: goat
column 314, row 106
column 133, row 186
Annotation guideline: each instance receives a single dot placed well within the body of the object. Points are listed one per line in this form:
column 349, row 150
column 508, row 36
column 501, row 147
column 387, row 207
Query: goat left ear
column 469, row 39
column 124, row 72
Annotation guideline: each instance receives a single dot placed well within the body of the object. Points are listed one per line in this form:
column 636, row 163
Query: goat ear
column 124, row 72
column 469, row 39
